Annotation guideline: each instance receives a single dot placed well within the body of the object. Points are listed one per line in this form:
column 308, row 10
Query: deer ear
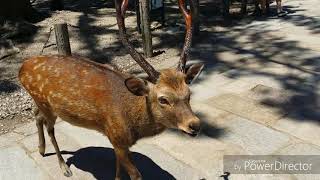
column 193, row 71
column 137, row 86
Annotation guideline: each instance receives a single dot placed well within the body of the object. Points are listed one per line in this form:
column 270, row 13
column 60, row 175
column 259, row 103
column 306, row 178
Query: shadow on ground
column 256, row 46
column 100, row 162
column 207, row 128
column 7, row 86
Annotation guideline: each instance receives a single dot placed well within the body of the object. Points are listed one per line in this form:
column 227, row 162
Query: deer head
column 167, row 91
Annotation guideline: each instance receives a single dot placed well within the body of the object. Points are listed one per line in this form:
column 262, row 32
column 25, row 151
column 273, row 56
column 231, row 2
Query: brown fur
column 93, row 96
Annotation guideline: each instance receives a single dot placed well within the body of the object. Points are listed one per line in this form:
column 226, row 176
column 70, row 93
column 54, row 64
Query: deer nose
column 195, row 128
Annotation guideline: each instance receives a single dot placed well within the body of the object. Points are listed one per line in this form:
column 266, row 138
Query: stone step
column 16, row 164
column 260, row 104
column 205, row 154
column 301, row 127
column 250, row 136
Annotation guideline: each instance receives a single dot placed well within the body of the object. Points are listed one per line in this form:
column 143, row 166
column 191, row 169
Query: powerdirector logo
column 272, row 164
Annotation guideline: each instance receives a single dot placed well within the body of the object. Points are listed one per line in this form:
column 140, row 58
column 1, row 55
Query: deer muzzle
column 192, row 127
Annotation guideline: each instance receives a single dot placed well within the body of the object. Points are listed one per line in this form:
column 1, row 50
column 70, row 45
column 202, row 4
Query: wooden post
column 145, row 27
column 62, row 39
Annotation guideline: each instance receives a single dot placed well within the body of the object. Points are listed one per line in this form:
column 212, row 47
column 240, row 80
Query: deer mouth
column 192, row 134
column 192, row 129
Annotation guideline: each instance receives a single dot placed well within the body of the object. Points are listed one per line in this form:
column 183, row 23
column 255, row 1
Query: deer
column 121, row 106
column 264, row 7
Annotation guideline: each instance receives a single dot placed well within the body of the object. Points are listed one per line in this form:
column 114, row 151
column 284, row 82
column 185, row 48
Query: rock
column 16, row 164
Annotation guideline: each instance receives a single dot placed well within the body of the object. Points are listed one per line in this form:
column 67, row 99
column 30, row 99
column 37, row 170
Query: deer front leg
column 257, row 10
column 263, row 6
column 268, row 6
column 122, row 155
column 279, row 7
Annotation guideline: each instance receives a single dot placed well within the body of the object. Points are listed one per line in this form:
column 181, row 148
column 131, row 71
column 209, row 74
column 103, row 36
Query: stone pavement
column 260, row 97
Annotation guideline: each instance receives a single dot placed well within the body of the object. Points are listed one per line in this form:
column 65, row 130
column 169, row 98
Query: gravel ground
column 15, row 109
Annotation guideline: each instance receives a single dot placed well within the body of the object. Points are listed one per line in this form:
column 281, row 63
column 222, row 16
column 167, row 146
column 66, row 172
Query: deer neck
column 144, row 121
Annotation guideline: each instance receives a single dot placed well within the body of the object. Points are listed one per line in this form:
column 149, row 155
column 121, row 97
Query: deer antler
column 188, row 38
column 121, row 7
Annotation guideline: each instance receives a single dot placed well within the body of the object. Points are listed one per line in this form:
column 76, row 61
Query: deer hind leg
column 263, row 4
column 123, row 159
column 39, row 122
column 267, row 6
column 257, row 9
column 49, row 120
column 279, row 7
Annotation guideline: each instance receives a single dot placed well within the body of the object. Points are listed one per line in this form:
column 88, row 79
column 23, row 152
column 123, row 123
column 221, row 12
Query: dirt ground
column 93, row 33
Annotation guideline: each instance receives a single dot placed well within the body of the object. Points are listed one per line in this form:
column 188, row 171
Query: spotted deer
column 121, row 106
column 264, row 7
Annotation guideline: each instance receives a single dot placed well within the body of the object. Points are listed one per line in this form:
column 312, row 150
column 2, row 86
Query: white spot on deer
column 64, row 99
column 30, row 79
column 46, row 81
column 57, row 72
column 38, row 65
column 49, row 100
column 34, row 93
column 41, row 87
column 58, row 95
column 85, row 72
column 43, row 68
column 38, row 77
column 22, row 79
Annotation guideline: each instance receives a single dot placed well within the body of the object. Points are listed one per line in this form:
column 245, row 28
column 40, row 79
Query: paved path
column 259, row 97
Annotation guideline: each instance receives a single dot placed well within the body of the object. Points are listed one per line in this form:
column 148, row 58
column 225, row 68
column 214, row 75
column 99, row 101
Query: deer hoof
column 67, row 173
column 282, row 13
column 41, row 150
column 66, row 170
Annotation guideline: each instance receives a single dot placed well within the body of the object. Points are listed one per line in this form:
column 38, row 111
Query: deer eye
column 162, row 100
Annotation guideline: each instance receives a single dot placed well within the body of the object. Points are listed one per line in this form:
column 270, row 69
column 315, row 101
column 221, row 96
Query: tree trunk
column 16, row 9
column 62, row 39
column 145, row 27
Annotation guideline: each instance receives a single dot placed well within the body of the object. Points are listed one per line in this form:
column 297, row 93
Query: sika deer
column 120, row 106
column 264, row 7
